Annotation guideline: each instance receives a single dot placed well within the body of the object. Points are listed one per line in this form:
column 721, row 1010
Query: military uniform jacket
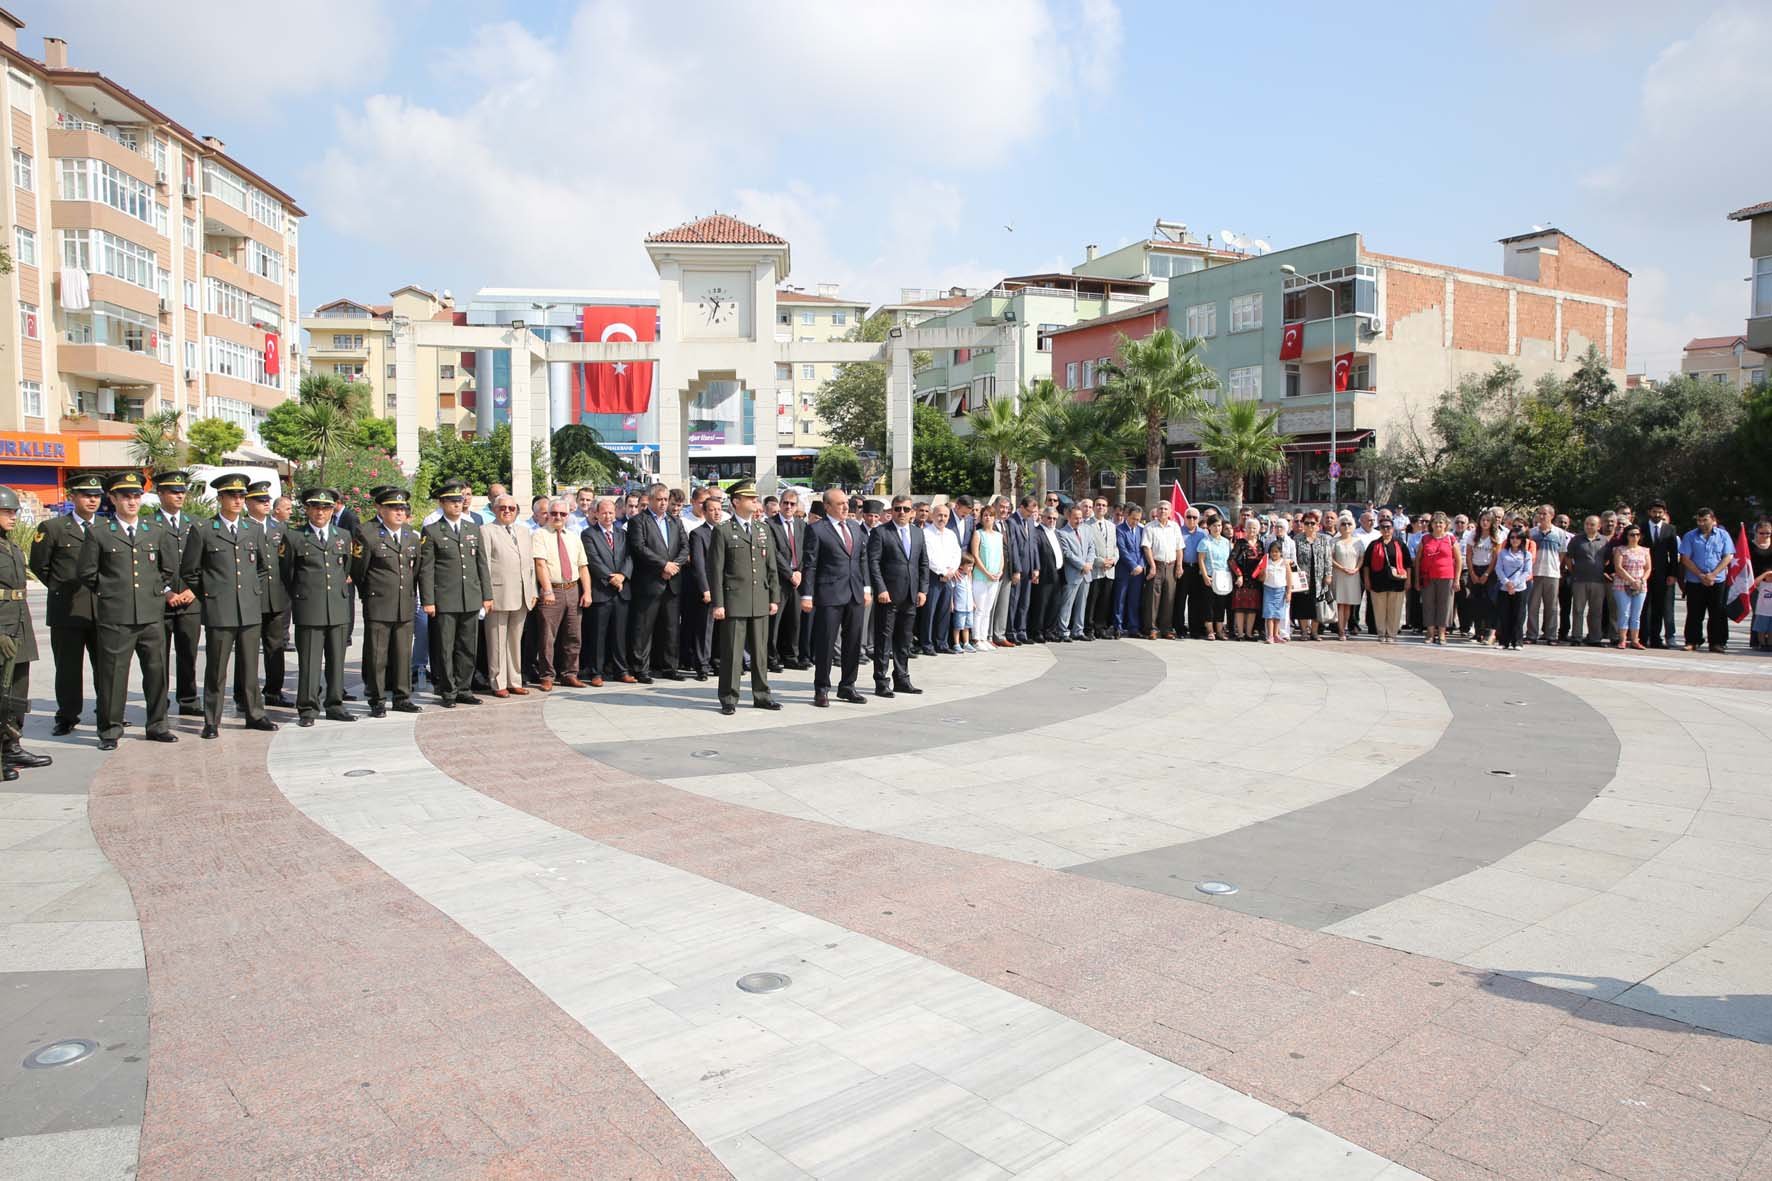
column 315, row 573
column 741, row 571
column 276, row 595
column 453, row 573
column 55, row 560
column 181, row 536
column 386, row 572
column 130, row 579
column 228, row 571
column 15, row 612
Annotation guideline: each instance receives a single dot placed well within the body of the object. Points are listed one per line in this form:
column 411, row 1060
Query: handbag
column 1221, row 582
column 1300, row 581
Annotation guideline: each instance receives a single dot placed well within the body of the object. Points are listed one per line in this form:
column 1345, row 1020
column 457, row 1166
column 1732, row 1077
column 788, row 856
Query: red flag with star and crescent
column 1344, row 364
column 273, row 361
column 1292, row 342
column 615, row 387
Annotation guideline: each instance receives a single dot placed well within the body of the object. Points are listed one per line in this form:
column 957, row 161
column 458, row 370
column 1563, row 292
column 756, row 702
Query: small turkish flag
column 154, row 340
column 1292, row 342
column 30, row 325
column 1344, row 365
column 272, row 363
column 1178, row 500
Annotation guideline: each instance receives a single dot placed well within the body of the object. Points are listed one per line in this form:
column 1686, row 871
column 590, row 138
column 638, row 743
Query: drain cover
column 763, row 982
column 1519, row 703
column 60, row 1053
column 358, row 772
column 953, row 721
column 1503, row 774
column 1216, row 888
column 1079, row 688
column 704, row 754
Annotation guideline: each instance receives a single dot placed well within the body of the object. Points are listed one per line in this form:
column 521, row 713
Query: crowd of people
column 588, row 590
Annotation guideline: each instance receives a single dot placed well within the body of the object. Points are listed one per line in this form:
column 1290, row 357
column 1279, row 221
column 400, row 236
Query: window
column 230, row 410
column 1245, row 383
column 1043, row 337
column 227, row 300
column 161, row 155
column 342, row 340
column 1755, row 376
column 97, row 180
column 27, row 321
column 1720, row 378
column 446, row 373
column 1164, row 266
column 266, row 315
column 783, row 371
column 20, row 90
column 352, row 372
column 190, row 357
column 32, row 393
column 784, row 319
column 391, row 374
column 190, row 293
column 191, row 242
column 237, row 360
column 1088, row 375
column 807, row 318
column 1070, row 375
column 264, row 262
column 24, row 171
column 223, row 185
column 25, row 246
column 809, row 372
column 1202, row 320
column 839, row 319
column 1246, row 312
column 1294, row 381
column 1292, row 305
column 264, row 208
column 1762, row 287
column 121, row 328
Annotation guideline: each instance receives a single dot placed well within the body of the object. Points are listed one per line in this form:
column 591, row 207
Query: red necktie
column 566, row 570
column 848, row 546
column 609, row 539
column 793, row 550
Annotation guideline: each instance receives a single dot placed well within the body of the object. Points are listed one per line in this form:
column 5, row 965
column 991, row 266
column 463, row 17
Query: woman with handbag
column 1385, row 572
column 1311, row 587
column 1249, row 564
column 1215, row 571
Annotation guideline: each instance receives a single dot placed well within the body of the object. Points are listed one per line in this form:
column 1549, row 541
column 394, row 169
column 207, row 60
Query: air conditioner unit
column 1374, row 326
column 190, row 191
column 160, row 178
column 190, row 375
column 164, row 307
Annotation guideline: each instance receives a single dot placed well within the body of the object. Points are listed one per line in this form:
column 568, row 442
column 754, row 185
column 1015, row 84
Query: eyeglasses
column 901, row 508
column 506, row 508
column 559, row 514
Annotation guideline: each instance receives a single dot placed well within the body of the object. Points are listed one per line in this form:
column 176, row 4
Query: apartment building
column 1759, row 249
column 917, row 304
column 356, row 341
column 1374, row 339
column 1723, row 359
column 808, row 316
column 151, row 270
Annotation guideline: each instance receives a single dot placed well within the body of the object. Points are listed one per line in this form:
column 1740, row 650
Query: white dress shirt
column 943, row 548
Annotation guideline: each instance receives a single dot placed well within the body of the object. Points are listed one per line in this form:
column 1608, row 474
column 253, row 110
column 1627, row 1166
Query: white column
column 406, row 398
column 763, row 419
column 900, row 398
column 483, row 361
column 559, row 382
column 522, row 478
column 673, row 439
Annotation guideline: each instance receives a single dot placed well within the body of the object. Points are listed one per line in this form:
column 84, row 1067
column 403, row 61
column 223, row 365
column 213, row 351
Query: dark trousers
column 387, row 660
column 17, row 704
column 1048, row 597
column 827, row 623
column 653, row 618
column 784, row 628
column 697, row 634
column 183, row 630
column 1198, row 597
column 1510, row 613
column 604, row 651
column 455, row 636
column 1707, row 614
column 894, row 625
column 74, row 646
column 531, row 645
column 1565, row 608
column 735, row 637
column 1099, row 616
column 320, row 668
column 1128, row 600
column 556, row 653
column 117, row 642
column 1658, row 619
column 242, row 645
column 1020, row 599
column 273, row 636
column 933, row 615
column 805, row 618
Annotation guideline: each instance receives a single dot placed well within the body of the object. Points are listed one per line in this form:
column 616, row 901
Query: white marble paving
column 875, row 1063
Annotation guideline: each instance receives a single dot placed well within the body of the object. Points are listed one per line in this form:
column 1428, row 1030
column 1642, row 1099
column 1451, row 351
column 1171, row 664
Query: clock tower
column 717, row 281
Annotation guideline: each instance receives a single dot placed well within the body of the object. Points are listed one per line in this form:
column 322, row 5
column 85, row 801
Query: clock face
column 718, row 306
column 714, row 305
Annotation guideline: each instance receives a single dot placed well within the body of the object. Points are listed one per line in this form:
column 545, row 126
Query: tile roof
column 718, row 229
column 803, row 297
column 1131, row 313
column 1714, row 342
column 946, row 301
column 1751, row 211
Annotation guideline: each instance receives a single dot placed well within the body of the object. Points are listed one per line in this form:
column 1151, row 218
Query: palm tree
column 324, row 427
column 1068, row 434
column 1037, row 401
column 1161, row 379
column 1239, row 440
column 1122, row 439
column 156, row 444
column 1002, row 433
column 329, row 389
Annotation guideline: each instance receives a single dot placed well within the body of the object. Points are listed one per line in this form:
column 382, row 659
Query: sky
column 926, row 143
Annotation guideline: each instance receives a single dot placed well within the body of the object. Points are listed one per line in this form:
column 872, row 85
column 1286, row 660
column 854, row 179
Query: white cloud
column 565, row 152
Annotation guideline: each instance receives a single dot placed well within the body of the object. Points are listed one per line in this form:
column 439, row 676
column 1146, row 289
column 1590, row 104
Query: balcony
column 76, row 139
column 327, row 352
column 112, row 363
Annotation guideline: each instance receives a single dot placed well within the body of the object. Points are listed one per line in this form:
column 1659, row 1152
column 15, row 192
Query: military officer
column 746, row 590
column 73, row 632
column 455, row 586
column 384, row 566
column 226, row 565
column 274, row 630
column 131, row 565
column 18, row 645
column 315, row 561
column 184, row 622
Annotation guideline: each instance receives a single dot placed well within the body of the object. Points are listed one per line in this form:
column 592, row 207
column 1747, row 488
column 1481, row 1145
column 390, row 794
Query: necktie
column 904, row 539
column 609, row 539
column 793, row 549
column 566, row 570
column 843, row 528
column 130, row 530
column 510, row 533
column 747, row 530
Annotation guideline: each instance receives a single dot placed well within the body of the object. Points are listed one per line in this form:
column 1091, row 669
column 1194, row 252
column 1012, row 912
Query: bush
column 353, row 471
column 836, row 464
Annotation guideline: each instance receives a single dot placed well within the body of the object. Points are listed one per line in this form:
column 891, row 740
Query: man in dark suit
column 964, row 521
column 898, row 568
column 833, row 588
column 606, row 553
column 1021, row 563
column 73, row 628
column 227, row 566
column 1048, row 559
column 184, row 622
column 1663, row 541
column 789, row 534
column 660, row 550
column 698, row 604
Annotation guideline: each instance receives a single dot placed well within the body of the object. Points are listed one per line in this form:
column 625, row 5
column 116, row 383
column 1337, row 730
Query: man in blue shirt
column 1705, row 555
column 1191, row 600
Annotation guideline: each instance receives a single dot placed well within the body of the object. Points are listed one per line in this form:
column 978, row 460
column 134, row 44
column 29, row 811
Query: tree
column 837, row 464
column 351, row 397
column 941, row 461
column 324, row 429
column 1072, row 435
column 281, row 432
column 1036, row 402
column 212, row 438
column 1240, row 440
column 155, row 445
column 377, row 434
column 1000, row 433
column 580, row 457
column 1161, row 379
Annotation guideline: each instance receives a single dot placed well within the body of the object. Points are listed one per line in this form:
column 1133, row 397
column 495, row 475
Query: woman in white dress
column 1344, row 556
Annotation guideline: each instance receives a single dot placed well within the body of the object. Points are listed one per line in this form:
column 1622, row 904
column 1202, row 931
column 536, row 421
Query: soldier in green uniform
column 316, row 561
column 455, row 586
column 226, row 566
column 131, row 565
column 184, row 621
column 274, row 629
column 384, row 566
column 73, row 631
column 18, row 645
column 746, row 591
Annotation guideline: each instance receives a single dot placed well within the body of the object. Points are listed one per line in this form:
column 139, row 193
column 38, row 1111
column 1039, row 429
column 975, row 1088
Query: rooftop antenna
column 1230, row 239
column 1262, row 246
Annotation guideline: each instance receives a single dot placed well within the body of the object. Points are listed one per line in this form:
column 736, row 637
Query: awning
column 1316, row 443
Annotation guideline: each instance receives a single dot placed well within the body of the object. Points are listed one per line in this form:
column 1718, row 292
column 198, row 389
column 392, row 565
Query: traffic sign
column 1335, row 468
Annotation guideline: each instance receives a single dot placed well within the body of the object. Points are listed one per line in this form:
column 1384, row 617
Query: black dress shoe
column 820, row 698
column 671, row 675
column 278, row 699
column 305, row 721
column 62, row 728
column 728, row 709
column 107, row 744
column 851, row 696
column 264, row 724
column 378, row 710
column 161, row 736
column 881, row 690
column 340, row 715
column 907, row 687
column 468, row 699
column 642, row 679
column 190, row 711
column 771, row 705
column 8, row 774
column 701, row 674
column 211, row 732
column 350, row 697
column 407, row 707
column 18, row 756
column 775, row 666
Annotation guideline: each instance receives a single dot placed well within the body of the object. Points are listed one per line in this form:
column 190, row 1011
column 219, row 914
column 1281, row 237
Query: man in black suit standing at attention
column 1048, row 561
column 833, row 588
column 898, row 569
column 660, row 548
column 1663, row 541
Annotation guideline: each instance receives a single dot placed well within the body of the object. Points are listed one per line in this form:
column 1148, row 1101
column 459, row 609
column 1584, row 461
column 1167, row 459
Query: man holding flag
column 1741, row 579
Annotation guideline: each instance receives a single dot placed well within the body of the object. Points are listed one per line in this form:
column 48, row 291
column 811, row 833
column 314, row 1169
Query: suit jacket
column 1079, row 552
column 228, row 571
column 129, row 579
column 386, row 573
column 1107, row 547
column 741, row 570
column 452, row 571
column 651, row 551
column 512, row 569
column 790, row 548
column 1018, row 546
column 833, row 576
column 607, row 558
column 699, row 540
column 1664, row 551
column 892, row 570
column 315, row 573
column 1046, row 563
column 55, row 560
column 964, row 528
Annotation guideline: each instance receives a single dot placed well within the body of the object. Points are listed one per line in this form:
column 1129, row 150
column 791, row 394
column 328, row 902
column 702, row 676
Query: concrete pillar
column 560, row 410
column 900, row 397
column 763, row 419
column 406, row 399
column 522, row 477
column 483, row 360
column 673, row 434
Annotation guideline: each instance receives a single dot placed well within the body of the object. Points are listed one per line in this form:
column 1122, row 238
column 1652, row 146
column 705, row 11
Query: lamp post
column 1287, row 268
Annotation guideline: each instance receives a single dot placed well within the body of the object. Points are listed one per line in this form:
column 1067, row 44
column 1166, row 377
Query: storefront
column 35, row 465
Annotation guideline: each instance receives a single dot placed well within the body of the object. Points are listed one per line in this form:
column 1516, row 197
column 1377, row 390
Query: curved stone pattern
column 1441, row 815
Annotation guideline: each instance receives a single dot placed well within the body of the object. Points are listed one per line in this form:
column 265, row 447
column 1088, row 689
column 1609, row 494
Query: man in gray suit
column 1078, row 544
column 606, row 620
column 514, row 592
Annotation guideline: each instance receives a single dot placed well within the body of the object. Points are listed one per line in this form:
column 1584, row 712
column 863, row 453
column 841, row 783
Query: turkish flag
column 1344, row 364
column 1178, row 500
column 273, row 362
column 615, row 387
column 1292, row 342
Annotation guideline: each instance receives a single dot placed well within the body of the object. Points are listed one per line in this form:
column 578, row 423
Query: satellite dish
column 1538, row 229
column 1229, row 238
column 1262, row 246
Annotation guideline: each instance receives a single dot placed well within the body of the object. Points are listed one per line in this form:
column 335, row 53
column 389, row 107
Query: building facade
column 808, row 317
column 1759, row 250
column 1723, row 359
column 150, row 271
column 355, row 341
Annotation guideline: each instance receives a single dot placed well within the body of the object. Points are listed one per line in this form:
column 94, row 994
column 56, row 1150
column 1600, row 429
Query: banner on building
column 615, row 387
column 1344, row 365
column 273, row 361
column 1292, row 342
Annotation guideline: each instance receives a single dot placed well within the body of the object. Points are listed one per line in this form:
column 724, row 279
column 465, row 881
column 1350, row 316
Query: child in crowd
column 1276, row 595
column 962, row 592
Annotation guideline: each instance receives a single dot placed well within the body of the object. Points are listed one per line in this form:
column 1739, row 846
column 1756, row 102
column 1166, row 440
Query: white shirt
column 1164, row 541
column 943, row 549
column 1365, row 537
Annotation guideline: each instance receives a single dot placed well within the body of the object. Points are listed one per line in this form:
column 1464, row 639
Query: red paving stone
column 310, row 1017
column 1218, row 992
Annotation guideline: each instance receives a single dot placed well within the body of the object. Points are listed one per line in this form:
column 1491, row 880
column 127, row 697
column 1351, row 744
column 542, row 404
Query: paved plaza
column 1496, row 916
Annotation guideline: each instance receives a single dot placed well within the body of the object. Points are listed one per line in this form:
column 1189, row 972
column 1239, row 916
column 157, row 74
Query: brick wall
column 1406, row 294
column 1583, row 319
column 1619, row 331
column 1537, row 318
column 1580, row 269
column 1479, row 318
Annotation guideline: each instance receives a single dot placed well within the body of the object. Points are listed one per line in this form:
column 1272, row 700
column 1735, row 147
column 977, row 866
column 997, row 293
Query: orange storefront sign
column 47, row 450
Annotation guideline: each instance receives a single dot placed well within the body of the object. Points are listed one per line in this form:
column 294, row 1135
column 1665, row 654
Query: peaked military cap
column 390, row 494
column 124, row 482
column 226, row 482
column 742, row 488
column 86, row 482
column 456, row 488
column 8, row 498
column 172, row 481
column 319, row 496
column 258, row 490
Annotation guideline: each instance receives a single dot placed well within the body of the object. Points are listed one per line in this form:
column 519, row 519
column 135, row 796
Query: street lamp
column 1287, row 268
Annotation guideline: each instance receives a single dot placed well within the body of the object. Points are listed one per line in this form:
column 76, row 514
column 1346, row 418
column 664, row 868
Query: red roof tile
column 1714, row 342
column 803, row 297
column 718, row 229
column 1751, row 211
